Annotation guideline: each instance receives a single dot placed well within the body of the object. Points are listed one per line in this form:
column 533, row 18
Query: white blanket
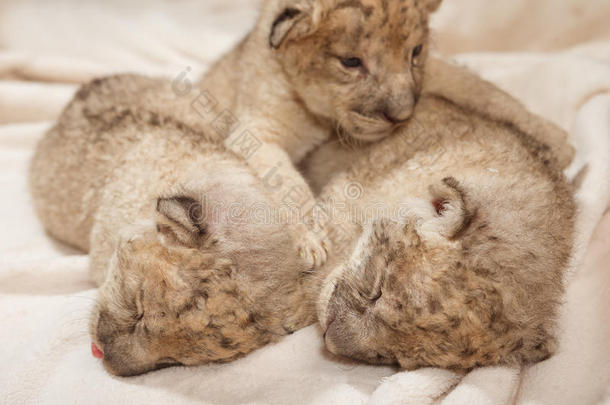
column 46, row 48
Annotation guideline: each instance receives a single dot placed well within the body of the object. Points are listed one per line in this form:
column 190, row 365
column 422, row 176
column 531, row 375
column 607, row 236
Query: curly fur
column 132, row 151
column 286, row 84
column 129, row 175
column 465, row 265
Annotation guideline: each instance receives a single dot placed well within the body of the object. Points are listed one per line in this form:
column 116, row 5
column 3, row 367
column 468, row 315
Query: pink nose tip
column 97, row 353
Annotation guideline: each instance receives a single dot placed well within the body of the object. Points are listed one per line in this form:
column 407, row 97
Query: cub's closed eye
column 417, row 50
column 376, row 296
column 167, row 362
column 351, row 62
column 373, row 297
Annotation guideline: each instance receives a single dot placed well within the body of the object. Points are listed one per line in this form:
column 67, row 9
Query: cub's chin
column 366, row 129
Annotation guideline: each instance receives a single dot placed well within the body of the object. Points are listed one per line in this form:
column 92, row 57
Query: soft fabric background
column 554, row 55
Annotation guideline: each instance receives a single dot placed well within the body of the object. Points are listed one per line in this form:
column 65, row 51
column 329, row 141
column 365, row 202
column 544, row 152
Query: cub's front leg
column 273, row 165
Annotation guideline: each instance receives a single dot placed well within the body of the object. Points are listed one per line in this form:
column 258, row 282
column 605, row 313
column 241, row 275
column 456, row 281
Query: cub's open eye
column 417, row 50
column 351, row 62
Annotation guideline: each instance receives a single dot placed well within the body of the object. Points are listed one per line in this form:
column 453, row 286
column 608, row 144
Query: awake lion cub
column 189, row 273
column 311, row 67
column 466, row 228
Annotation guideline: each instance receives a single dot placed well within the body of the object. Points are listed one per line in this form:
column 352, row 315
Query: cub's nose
column 394, row 120
column 398, row 108
column 97, row 353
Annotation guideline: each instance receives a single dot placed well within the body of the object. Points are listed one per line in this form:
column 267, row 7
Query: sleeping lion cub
column 169, row 217
column 466, row 228
column 310, row 67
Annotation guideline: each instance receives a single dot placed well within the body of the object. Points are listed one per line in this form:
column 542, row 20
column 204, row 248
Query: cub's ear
column 181, row 220
column 432, row 5
column 452, row 214
column 291, row 22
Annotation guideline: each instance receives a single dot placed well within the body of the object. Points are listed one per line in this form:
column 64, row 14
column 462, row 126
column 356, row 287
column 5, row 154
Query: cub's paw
column 312, row 248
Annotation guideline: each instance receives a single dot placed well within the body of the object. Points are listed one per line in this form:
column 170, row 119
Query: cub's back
column 517, row 241
column 103, row 122
column 519, row 234
column 513, row 179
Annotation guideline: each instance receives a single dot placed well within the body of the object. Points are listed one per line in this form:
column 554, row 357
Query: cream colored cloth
column 47, row 48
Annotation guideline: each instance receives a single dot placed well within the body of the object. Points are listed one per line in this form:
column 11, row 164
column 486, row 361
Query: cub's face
column 371, row 307
column 191, row 290
column 363, row 308
column 357, row 63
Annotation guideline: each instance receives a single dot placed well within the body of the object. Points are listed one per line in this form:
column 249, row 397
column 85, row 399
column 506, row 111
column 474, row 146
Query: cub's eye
column 375, row 297
column 167, row 362
column 351, row 62
column 372, row 298
column 139, row 306
column 417, row 50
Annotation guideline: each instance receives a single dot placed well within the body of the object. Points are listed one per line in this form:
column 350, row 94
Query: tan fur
column 127, row 146
column 461, row 261
column 127, row 150
column 165, row 212
column 466, row 89
column 285, row 83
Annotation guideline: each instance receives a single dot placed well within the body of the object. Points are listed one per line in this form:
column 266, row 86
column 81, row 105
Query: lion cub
column 466, row 231
column 172, row 222
column 308, row 68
